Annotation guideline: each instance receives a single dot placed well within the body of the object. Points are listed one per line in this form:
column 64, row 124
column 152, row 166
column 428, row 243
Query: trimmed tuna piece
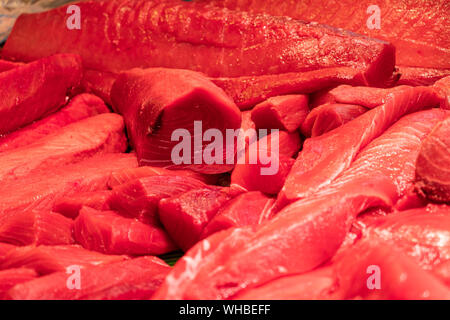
column 324, row 157
column 9, row 278
column 127, row 280
column 127, row 175
column 41, row 189
column 217, row 42
column 139, row 198
column 156, row 102
column 186, row 215
column 247, row 209
column 309, row 231
column 329, row 116
column 100, row 134
column 400, row 276
column 109, row 232
column 98, row 83
column 260, row 168
column 70, row 206
column 49, row 259
column 282, row 112
column 78, row 108
column 34, row 90
column 35, row 227
column 433, row 164
column 248, row 91
column 412, row 76
column 421, row 40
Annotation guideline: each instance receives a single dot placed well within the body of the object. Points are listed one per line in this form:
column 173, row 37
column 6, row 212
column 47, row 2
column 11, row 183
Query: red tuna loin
column 433, row 164
column 103, row 133
column 127, row 175
column 400, row 277
column 40, row 190
column 49, row 259
column 422, row 39
column 268, row 171
column 32, row 91
column 412, row 76
column 35, row 227
column 309, row 231
column 9, row 278
column 70, row 206
column 282, row 112
column 127, row 280
column 78, row 108
column 247, row 209
column 186, row 215
column 214, row 41
column 139, row 198
column 109, row 232
column 156, row 102
column 324, row 157
column 329, row 116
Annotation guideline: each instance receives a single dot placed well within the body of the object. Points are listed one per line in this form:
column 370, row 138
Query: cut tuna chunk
column 127, row 175
column 412, row 76
column 109, row 232
column 421, row 39
column 127, row 280
column 98, row 83
column 268, row 169
column 49, row 259
column 308, row 232
column 282, row 112
column 156, row 102
column 186, row 215
column 400, row 278
column 9, row 278
column 217, row 42
column 34, row 90
column 251, row 90
column 103, row 133
column 70, row 206
column 80, row 107
column 323, row 158
column 329, row 116
column 433, row 164
column 41, row 189
column 35, row 227
column 247, row 209
column 139, row 198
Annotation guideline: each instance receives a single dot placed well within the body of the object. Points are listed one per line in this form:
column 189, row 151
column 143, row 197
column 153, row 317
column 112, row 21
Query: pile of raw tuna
column 90, row 194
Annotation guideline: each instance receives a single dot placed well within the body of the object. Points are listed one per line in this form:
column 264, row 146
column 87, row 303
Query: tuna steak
column 186, row 215
column 329, row 116
column 308, row 232
column 78, row 108
column 109, row 232
column 127, row 280
column 217, row 42
column 49, row 259
column 139, row 198
column 323, row 158
column 35, row 227
column 282, row 112
column 70, row 206
column 103, row 133
column 34, row 90
column 156, row 102
column 433, row 164
column 9, row 278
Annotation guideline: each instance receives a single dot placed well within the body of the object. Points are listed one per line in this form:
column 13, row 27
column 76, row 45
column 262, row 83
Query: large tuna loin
column 160, row 107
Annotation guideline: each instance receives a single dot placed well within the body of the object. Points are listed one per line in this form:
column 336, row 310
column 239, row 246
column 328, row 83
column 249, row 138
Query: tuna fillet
column 217, row 42
column 78, row 108
column 34, row 90
column 433, row 164
column 109, row 232
column 156, row 102
column 127, row 280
